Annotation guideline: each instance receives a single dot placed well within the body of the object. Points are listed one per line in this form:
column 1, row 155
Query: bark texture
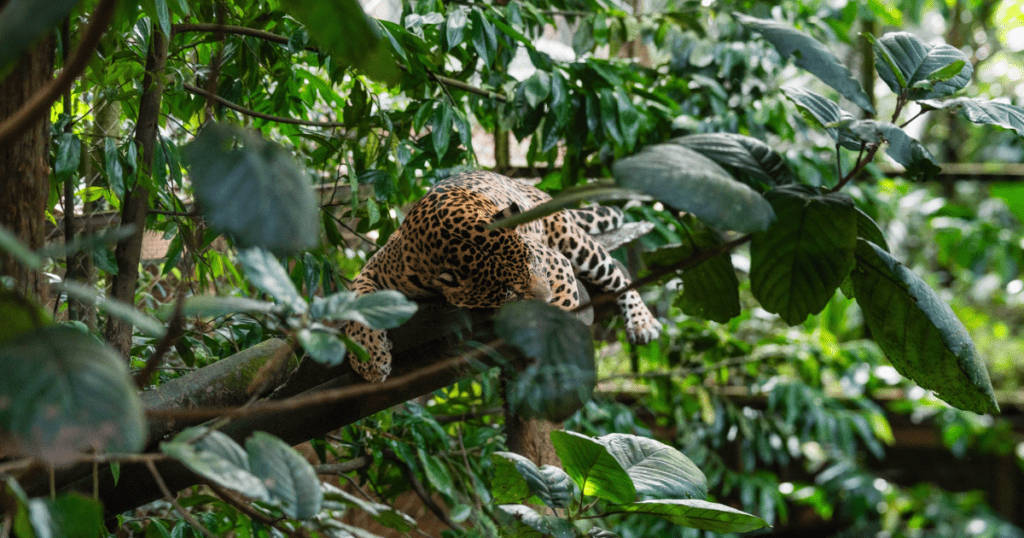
column 25, row 166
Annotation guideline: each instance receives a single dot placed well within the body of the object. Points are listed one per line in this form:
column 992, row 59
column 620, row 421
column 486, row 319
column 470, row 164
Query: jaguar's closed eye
column 447, row 279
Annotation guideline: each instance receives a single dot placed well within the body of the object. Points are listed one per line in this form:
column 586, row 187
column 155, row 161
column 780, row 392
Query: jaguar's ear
column 512, row 209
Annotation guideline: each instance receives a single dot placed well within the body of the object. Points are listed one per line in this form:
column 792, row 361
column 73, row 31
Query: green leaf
column 905, row 62
column 210, row 306
column 455, row 26
column 905, row 150
column 711, row 288
column 67, row 516
column 594, row 470
column 824, row 113
column 23, row 21
column 112, row 163
column 868, row 229
column 437, row 474
column 981, row 112
column 695, row 513
column 560, row 104
column 381, row 513
column 655, row 468
column 20, row 315
column 348, row 33
column 385, row 309
column 536, row 88
column 157, row 12
column 563, row 377
column 118, row 309
column 797, row 264
column 69, row 155
column 65, row 392
column 811, row 55
column 218, row 458
column 441, row 127
column 322, row 346
column 749, row 156
column 689, row 181
column 549, row 484
column 485, row 41
column 269, row 276
column 10, row 244
column 255, row 192
column 592, row 192
column 290, row 479
column 583, row 40
column 919, row 333
column 518, row 516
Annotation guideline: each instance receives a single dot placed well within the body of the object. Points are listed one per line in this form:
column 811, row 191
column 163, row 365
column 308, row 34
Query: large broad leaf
column 292, row 481
column 710, row 289
column 343, row 28
column 67, row 516
column 385, row 309
column 563, row 376
column 797, row 264
column 594, row 470
column 903, row 149
column 252, row 189
column 516, row 478
column 824, row 113
column 22, row 21
column 591, row 192
column 218, row 458
column 995, row 113
column 918, row 332
column 656, row 469
column 689, row 181
column 120, row 310
column 749, row 156
column 65, row 392
column 20, row 315
column 695, row 513
column 811, row 55
column 266, row 273
column 323, row 346
column 521, row 521
column 906, row 63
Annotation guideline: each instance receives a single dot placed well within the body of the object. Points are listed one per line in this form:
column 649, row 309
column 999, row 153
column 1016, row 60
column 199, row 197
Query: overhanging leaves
column 695, row 513
column 919, row 333
column 905, row 62
column 655, row 468
column 385, row 309
column 291, row 480
column 995, row 113
column 747, row 155
column 343, row 28
column 797, row 264
column 824, row 113
column 563, row 377
column 524, row 522
column 711, row 288
column 594, row 470
column 903, row 149
column 517, row 478
column 218, row 458
column 252, row 189
column 689, row 181
column 267, row 274
column 22, row 21
column 65, row 392
column 117, row 309
column 811, row 55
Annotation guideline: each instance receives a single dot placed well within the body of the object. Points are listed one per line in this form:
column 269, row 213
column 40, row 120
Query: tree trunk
column 25, row 166
column 134, row 206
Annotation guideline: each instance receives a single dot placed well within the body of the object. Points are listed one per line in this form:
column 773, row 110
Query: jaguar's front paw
column 641, row 326
column 378, row 347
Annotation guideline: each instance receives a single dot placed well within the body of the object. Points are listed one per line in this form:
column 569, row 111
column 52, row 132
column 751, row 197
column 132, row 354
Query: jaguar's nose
column 539, row 289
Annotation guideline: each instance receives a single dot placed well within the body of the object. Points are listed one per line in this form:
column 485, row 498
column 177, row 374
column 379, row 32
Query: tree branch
column 250, row 112
column 39, row 105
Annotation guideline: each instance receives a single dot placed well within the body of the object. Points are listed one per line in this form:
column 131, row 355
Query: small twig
column 174, row 331
column 39, row 104
column 250, row 112
column 343, row 467
column 421, row 492
column 174, row 501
